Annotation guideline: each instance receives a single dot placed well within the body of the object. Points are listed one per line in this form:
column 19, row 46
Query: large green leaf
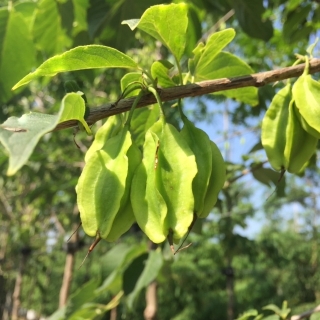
column 48, row 34
column 226, row 65
column 249, row 14
column 27, row 9
column 80, row 12
column 21, row 135
column 149, row 273
column 119, row 259
column 203, row 55
column 80, row 58
column 166, row 23
column 82, row 295
column 17, row 54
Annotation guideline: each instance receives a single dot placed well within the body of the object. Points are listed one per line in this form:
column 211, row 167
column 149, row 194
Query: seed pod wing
column 199, row 143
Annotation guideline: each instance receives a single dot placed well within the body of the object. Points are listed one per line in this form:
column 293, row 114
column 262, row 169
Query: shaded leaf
column 20, row 136
column 149, row 273
column 82, row 295
column 47, row 30
column 119, row 257
column 17, row 50
column 249, row 14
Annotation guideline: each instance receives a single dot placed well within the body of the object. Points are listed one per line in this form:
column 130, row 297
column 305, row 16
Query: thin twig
column 196, row 89
column 217, row 25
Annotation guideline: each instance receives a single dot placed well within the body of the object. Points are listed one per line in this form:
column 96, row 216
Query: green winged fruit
column 288, row 146
column 216, row 181
column 101, row 185
column 161, row 192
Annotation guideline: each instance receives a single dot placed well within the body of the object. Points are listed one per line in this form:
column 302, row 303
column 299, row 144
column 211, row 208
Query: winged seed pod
column 287, row 144
column 161, row 192
column 306, row 94
column 216, row 181
column 125, row 217
column 101, row 185
column 199, row 142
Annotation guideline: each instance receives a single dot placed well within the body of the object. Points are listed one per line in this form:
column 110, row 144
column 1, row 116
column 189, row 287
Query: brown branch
column 196, row 89
column 306, row 313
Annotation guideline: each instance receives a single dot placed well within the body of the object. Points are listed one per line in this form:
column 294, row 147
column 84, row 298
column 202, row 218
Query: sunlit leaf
column 166, row 23
column 80, row 58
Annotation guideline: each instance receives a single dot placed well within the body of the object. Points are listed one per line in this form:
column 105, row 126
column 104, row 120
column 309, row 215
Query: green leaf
column 74, row 108
column 266, row 176
column 48, row 34
column 295, row 22
column 119, row 257
column 248, row 314
column 273, row 308
column 17, row 51
column 95, row 311
column 160, row 71
column 166, row 23
column 27, row 9
column 131, row 81
column 80, row 12
column 59, row 314
column 249, row 14
column 80, row 58
column 85, row 293
column 149, row 273
column 204, row 55
column 226, row 65
column 20, row 136
column 272, row 317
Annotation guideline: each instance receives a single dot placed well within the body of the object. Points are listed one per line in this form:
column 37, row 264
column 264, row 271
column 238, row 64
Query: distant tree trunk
column 18, row 285
column 2, row 295
column 113, row 314
column 230, row 290
column 150, row 312
column 72, row 247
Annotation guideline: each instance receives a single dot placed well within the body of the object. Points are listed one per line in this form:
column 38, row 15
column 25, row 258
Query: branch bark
column 196, row 89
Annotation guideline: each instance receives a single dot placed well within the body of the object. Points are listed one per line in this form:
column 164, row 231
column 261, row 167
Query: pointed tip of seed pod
column 96, row 241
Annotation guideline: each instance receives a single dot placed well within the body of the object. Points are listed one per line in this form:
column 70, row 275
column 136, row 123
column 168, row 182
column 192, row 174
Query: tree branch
column 306, row 313
column 196, row 89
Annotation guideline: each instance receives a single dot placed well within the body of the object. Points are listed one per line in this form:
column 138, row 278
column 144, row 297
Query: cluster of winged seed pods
column 291, row 127
column 175, row 178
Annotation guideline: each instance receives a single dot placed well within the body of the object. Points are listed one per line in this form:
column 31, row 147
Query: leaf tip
column 132, row 23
